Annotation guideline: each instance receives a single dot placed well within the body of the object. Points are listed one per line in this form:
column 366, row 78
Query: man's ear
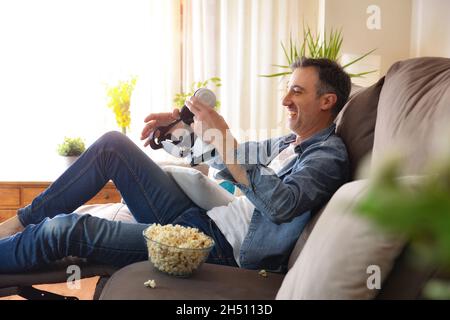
column 328, row 101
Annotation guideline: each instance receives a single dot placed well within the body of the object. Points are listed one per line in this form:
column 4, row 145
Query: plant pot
column 68, row 161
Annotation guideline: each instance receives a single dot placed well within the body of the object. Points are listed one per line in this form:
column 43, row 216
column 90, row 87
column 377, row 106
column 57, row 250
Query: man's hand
column 219, row 135
column 208, row 124
column 154, row 120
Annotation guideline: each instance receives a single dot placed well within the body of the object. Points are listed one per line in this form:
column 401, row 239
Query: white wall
column 391, row 37
column 430, row 32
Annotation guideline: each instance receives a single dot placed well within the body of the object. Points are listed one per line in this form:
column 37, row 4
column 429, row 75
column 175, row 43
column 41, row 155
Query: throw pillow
column 203, row 191
column 108, row 211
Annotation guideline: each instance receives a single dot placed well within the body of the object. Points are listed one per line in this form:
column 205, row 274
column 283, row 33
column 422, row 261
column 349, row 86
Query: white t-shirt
column 233, row 219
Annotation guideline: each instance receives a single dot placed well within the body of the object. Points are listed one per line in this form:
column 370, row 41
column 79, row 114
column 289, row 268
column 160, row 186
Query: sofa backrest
column 414, row 97
column 355, row 124
column 414, row 104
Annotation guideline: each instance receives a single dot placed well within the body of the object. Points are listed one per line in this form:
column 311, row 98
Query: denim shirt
column 284, row 202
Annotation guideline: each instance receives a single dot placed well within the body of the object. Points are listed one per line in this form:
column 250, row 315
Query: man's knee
column 60, row 225
column 112, row 136
column 113, row 140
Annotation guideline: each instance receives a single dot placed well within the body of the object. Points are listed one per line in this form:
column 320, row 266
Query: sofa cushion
column 414, row 101
column 342, row 246
column 355, row 124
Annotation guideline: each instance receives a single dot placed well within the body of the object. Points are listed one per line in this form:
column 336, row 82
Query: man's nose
column 286, row 100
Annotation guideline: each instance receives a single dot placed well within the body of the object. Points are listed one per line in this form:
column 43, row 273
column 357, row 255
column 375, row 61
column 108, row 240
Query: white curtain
column 165, row 56
column 238, row 40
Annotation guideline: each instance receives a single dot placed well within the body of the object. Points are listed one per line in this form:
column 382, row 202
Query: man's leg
column 151, row 194
column 98, row 240
column 222, row 253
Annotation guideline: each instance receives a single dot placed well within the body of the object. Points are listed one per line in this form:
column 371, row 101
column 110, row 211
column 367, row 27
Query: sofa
column 339, row 251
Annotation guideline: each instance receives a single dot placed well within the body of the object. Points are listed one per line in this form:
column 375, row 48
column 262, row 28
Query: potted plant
column 119, row 98
column 71, row 149
column 314, row 47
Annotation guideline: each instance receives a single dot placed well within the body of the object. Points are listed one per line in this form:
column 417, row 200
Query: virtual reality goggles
column 183, row 142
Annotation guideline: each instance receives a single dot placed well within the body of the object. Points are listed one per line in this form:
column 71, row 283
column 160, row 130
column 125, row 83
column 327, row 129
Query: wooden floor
column 86, row 291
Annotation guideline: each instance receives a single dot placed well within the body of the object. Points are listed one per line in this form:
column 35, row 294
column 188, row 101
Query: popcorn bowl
column 181, row 259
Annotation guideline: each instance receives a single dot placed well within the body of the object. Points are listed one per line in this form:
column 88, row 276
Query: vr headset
column 184, row 143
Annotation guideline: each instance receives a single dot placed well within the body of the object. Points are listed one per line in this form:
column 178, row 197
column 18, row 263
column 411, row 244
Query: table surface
column 210, row 282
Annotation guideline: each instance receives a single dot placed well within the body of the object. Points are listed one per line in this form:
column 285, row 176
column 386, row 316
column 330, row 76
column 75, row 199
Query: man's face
column 301, row 100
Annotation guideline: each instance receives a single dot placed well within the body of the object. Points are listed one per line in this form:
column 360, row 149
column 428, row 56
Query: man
column 283, row 185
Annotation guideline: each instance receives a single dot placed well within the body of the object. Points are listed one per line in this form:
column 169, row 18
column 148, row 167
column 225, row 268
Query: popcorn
column 150, row 283
column 263, row 273
column 175, row 249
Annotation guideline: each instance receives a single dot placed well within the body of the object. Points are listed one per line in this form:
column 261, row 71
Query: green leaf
column 285, row 51
column 280, row 66
column 313, row 47
column 356, row 75
column 358, row 59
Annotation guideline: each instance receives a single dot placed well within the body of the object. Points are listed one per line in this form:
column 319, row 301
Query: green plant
column 119, row 101
column 180, row 98
column 313, row 47
column 71, row 147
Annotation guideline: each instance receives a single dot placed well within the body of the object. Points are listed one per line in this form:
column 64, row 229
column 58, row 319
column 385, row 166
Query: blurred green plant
column 421, row 213
column 119, row 97
column 314, row 47
column 71, row 147
column 180, row 98
column 437, row 290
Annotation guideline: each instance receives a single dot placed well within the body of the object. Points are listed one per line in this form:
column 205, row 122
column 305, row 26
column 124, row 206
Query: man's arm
column 322, row 169
column 227, row 152
column 212, row 128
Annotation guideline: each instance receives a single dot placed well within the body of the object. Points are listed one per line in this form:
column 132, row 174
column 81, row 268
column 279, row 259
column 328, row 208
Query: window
column 57, row 56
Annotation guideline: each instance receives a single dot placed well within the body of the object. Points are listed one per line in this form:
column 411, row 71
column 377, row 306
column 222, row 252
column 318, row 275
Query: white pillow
column 203, row 191
column 108, row 211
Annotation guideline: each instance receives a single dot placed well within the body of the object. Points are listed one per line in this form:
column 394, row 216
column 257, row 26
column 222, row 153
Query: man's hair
column 332, row 79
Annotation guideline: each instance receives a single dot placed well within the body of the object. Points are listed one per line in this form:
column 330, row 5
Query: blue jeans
column 52, row 231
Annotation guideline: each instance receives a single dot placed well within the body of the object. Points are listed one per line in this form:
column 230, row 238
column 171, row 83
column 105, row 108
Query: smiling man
column 284, row 181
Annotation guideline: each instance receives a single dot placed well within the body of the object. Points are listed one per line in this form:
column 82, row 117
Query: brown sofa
column 338, row 251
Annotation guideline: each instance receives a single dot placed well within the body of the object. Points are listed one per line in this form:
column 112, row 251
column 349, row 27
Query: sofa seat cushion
column 341, row 250
column 210, row 282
